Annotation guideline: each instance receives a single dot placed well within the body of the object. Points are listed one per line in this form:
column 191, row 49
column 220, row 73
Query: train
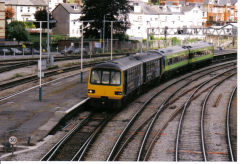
column 111, row 83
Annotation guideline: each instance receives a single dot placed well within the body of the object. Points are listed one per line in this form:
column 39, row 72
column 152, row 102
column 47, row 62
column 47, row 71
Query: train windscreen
column 105, row 77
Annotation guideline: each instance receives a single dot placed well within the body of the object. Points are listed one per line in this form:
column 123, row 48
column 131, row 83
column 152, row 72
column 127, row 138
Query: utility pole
column 111, row 34
column 81, row 74
column 40, row 71
column 48, row 48
column 103, row 31
column 111, row 37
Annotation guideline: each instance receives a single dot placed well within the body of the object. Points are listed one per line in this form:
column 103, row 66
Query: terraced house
column 25, row 9
column 220, row 12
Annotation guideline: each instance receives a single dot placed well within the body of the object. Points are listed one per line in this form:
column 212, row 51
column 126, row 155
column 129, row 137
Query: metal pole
column 165, row 36
column 103, row 31
column 147, row 39
column 40, row 72
column 111, row 38
column 82, row 52
column 48, row 48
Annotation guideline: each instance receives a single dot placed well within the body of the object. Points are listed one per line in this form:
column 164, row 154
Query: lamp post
column 103, row 32
column 48, row 48
column 40, row 57
column 111, row 34
column 82, row 47
column 111, row 37
column 40, row 71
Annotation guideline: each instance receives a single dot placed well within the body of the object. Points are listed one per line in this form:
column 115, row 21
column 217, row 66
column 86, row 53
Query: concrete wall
column 63, row 21
column 2, row 21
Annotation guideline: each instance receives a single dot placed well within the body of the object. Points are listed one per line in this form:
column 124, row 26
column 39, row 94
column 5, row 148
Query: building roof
column 187, row 8
column 72, row 8
column 221, row 2
column 233, row 2
column 25, row 3
column 154, row 10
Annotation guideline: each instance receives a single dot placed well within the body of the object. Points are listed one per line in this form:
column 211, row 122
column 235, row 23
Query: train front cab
column 105, row 87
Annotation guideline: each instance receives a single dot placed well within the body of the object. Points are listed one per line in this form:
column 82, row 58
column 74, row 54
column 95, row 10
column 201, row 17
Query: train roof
column 200, row 44
column 170, row 50
column 128, row 62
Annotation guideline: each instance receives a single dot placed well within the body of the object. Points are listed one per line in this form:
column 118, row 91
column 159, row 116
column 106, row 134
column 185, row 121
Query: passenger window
column 105, row 77
column 115, row 78
column 95, row 77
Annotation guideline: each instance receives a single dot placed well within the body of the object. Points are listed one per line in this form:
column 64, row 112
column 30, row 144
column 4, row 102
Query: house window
column 28, row 9
column 21, row 9
column 139, row 18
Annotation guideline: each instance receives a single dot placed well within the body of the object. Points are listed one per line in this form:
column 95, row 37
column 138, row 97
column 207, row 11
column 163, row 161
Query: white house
column 145, row 16
column 53, row 4
column 67, row 16
column 193, row 16
column 25, row 9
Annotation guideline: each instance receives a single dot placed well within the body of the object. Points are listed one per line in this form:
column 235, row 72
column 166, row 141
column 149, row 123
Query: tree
column 16, row 29
column 113, row 10
column 41, row 15
column 9, row 13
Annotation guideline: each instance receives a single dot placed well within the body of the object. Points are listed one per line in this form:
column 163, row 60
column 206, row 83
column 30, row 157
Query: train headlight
column 118, row 93
column 91, row 91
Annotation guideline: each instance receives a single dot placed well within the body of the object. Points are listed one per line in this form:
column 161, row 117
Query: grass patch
column 71, row 64
column 53, row 67
column 16, row 75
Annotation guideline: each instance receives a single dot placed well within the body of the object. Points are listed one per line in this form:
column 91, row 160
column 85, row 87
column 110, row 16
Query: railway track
column 184, row 140
column 231, row 127
column 8, row 65
column 227, row 118
column 73, row 146
column 32, row 78
column 124, row 139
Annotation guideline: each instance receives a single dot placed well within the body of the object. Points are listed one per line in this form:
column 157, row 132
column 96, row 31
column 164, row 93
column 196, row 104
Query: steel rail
column 228, row 124
column 165, row 124
column 81, row 152
column 147, row 133
column 202, row 114
column 34, row 77
column 48, row 156
column 114, row 149
column 186, row 104
column 146, row 121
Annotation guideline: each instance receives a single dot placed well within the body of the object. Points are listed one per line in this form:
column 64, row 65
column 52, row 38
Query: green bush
column 29, row 25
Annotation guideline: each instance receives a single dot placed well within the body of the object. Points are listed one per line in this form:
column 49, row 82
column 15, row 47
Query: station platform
column 30, row 120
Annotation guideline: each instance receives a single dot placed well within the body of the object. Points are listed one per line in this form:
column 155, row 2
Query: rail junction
column 190, row 117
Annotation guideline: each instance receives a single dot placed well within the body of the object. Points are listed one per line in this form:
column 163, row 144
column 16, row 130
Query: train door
column 144, row 72
column 161, row 66
column 125, row 83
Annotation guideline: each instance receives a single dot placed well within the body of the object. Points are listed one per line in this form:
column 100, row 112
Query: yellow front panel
column 105, row 90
